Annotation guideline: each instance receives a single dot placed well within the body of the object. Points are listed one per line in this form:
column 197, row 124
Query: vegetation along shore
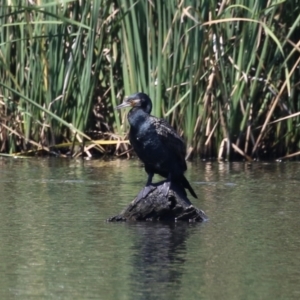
column 225, row 74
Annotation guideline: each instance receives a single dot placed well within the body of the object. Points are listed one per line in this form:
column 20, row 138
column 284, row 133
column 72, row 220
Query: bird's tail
column 187, row 185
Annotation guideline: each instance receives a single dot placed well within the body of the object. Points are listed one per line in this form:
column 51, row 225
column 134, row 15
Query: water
column 55, row 243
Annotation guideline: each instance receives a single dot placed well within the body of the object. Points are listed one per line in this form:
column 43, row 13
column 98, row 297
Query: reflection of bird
column 156, row 143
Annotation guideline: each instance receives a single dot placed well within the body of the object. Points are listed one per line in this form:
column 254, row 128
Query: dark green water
column 55, row 243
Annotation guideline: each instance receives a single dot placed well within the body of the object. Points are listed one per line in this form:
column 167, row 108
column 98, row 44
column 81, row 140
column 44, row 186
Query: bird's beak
column 122, row 105
column 129, row 102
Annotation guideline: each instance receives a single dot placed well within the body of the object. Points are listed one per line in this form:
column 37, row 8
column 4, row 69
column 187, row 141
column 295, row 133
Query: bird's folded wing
column 169, row 137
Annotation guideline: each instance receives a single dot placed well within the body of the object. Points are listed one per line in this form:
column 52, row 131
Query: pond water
column 55, row 243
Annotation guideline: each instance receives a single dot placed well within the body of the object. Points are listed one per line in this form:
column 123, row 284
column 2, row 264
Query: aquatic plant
column 225, row 76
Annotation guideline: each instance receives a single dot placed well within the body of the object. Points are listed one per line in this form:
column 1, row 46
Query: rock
column 152, row 204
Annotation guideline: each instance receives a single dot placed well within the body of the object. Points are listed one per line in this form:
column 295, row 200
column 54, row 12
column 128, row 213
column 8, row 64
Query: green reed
column 50, row 58
column 225, row 75
column 217, row 72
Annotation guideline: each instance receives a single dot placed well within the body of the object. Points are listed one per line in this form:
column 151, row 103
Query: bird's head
column 139, row 100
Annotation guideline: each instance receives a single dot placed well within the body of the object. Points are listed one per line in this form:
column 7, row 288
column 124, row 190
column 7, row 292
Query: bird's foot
column 165, row 188
column 145, row 191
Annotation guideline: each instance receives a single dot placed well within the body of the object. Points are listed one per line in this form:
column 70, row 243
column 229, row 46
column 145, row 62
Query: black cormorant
column 155, row 142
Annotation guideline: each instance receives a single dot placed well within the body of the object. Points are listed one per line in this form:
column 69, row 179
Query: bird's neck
column 136, row 117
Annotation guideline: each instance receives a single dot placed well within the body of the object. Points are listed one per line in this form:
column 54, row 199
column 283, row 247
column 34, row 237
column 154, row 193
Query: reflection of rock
column 158, row 258
column 152, row 204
